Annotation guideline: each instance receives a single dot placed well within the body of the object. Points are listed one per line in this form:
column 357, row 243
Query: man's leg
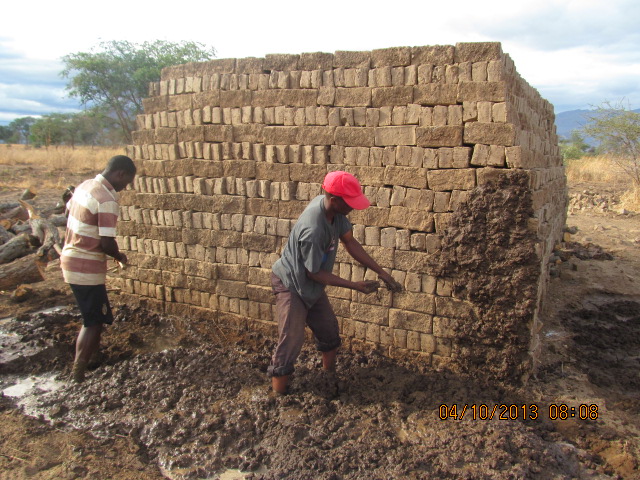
column 95, row 309
column 329, row 360
column 291, row 313
column 87, row 343
column 324, row 325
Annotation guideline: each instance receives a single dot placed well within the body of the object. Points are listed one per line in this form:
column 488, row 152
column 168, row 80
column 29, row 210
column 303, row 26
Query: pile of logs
column 28, row 240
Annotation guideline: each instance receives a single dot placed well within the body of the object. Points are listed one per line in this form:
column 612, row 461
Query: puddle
column 230, row 474
column 26, row 391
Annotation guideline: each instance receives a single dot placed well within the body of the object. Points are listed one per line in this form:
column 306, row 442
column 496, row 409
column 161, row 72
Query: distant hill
column 566, row 122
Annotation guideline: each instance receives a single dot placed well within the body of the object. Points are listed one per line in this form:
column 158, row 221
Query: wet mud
column 489, row 252
column 194, row 400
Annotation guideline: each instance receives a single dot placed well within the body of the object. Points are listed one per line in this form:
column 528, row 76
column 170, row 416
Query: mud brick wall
column 457, row 153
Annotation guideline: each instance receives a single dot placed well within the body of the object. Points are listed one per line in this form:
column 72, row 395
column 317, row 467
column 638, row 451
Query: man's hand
column 390, row 283
column 122, row 258
column 367, row 286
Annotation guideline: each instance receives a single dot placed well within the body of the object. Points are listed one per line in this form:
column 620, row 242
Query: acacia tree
column 20, row 129
column 115, row 75
column 617, row 128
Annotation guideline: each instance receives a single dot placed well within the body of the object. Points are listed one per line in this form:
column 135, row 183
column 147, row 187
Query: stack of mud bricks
column 231, row 151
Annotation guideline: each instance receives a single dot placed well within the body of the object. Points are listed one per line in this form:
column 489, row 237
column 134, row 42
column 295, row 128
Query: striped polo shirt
column 93, row 213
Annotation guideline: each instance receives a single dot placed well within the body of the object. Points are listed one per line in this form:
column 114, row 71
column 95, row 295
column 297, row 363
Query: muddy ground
column 173, row 398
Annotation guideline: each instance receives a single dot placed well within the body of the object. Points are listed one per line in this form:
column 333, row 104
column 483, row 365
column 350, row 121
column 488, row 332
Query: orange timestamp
column 528, row 411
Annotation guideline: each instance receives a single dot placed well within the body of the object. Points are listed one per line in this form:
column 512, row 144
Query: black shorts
column 93, row 304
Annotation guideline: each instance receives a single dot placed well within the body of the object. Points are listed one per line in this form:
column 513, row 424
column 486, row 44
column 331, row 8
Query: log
column 17, row 247
column 4, row 206
column 45, row 231
column 21, row 271
column 28, row 194
column 17, row 213
column 5, row 235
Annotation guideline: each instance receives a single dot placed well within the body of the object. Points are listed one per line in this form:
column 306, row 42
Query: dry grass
column 596, row 170
column 604, row 171
column 55, row 167
column 76, row 160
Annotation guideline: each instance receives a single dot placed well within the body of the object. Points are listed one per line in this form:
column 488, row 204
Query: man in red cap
column 300, row 275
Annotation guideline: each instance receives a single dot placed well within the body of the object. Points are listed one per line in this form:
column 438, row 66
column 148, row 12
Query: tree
column 115, row 76
column 5, row 133
column 575, row 147
column 20, row 129
column 617, row 128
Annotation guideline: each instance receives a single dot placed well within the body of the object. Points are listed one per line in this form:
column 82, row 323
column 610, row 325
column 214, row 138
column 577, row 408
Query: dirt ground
column 174, row 398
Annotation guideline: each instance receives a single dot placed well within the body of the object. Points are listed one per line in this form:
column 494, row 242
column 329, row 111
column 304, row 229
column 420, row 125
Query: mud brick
column 281, row 62
column 210, row 98
column 347, row 59
column 439, row 136
column 418, row 322
column 482, row 91
column 480, row 155
column 456, row 179
column 416, row 302
column 400, row 338
column 315, row 135
column 490, row 133
column 389, row 96
column 307, row 173
column 461, row 157
column 218, row 133
column 444, row 287
column 383, row 255
column 284, row 97
column 291, row 209
column 155, row 104
column 143, row 137
column 433, row 55
column 239, row 168
column 259, row 276
column 235, row 98
column 355, row 136
column 166, row 135
column 441, row 202
column 248, row 133
column 260, row 206
column 226, row 239
column 453, row 308
column 391, row 57
column 387, row 136
column 369, row 313
column 372, row 236
column 373, row 333
column 273, row 171
column 493, row 175
column 406, row 176
column 260, row 294
column 372, row 216
column 477, row 51
column 179, row 103
column 435, row 94
column 281, row 135
column 231, row 288
column 515, row 157
column 257, row 242
column 499, row 112
column 352, row 97
column 404, row 217
column 496, row 156
column 249, row 65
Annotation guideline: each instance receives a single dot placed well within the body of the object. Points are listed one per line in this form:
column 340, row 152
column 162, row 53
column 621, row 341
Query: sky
column 576, row 53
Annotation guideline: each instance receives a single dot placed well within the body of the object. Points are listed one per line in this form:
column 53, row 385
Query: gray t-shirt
column 312, row 246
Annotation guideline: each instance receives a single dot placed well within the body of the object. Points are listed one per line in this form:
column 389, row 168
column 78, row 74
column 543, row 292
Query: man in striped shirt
column 91, row 231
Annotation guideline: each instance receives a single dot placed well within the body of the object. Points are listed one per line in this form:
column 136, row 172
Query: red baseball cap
column 344, row 185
